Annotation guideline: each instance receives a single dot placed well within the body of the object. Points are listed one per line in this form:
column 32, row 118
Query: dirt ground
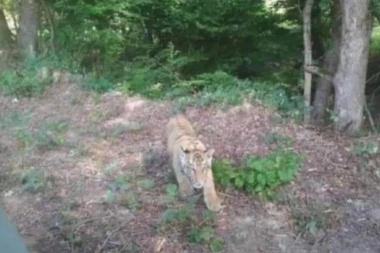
column 80, row 142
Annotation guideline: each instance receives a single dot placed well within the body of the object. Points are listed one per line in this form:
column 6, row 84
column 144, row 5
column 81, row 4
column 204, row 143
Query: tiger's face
column 195, row 165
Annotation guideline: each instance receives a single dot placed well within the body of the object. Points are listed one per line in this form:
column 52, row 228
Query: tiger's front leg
column 185, row 188
column 211, row 198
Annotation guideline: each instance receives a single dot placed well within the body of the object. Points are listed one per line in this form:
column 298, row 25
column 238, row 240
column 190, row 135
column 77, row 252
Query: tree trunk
column 349, row 80
column 307, row 57
column 28, row 33
column 5, row 33
column 6, row 41
column 330, row 65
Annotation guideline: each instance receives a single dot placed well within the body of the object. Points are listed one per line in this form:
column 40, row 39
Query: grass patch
column 277, row 139
column 11, row 120
column 122, row 128
column 34, row 180
column 313, row 218
column 51, row 134
column 258, row 175
column 125, row 188
column 187, row 223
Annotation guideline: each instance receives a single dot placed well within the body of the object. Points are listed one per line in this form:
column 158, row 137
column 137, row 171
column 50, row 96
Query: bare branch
column 312, row 69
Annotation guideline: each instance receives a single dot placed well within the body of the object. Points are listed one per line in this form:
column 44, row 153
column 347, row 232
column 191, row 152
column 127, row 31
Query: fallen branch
column 109, row 237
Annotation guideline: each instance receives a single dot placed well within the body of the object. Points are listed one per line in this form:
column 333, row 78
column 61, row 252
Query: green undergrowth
column 23, row 80
column 258, row 175
column 161, row 77
column 215, row 88
column 125, row 188
column 375, row 41
column 49, row 135
column 185, row 221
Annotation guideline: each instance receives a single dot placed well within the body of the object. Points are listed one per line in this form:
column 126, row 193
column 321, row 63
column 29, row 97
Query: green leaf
column 251, row 178
column 239, row 183
column 285, row 175
column 261, row 179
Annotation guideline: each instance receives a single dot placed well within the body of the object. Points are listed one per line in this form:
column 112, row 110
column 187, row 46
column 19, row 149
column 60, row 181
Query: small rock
column 9, row 193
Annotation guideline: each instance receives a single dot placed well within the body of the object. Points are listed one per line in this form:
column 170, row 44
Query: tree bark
column 330, row 65
column 5, row 33
column 307, row 57
column 6, row 41
column 349, row 80
column 28, row 33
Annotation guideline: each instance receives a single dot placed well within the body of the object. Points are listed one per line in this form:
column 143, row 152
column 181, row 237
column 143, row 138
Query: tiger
column 191, row 161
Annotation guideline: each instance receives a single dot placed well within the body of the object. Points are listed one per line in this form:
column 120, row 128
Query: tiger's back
column 180, row 133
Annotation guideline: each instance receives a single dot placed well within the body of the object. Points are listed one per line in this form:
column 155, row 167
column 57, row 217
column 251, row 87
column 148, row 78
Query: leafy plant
column 260, row 175
column 145, row 183
column 312, row 218
column 364, row 151
column 171, row 193
column 34, row 180
column 119, row 183
column 365, row 148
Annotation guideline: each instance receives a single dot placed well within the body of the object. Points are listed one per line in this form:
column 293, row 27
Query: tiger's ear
column 209, row 153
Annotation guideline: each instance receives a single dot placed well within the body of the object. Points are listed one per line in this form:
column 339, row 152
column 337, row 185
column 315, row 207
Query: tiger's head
column 195, row 164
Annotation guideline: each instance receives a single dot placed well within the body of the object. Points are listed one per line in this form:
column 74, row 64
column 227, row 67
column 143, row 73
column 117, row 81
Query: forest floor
column 82, row 173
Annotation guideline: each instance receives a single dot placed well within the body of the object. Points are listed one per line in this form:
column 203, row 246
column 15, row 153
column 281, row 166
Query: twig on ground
column 109, row 237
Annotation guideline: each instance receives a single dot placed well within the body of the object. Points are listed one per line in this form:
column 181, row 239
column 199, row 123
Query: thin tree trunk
column 28, row 33
column 349, row 80
column 6, row 41
column 307, row 57
column 330, row 65
column 5, row 33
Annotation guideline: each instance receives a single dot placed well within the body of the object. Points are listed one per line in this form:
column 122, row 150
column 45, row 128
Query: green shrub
column 260, row 175
column 99, row 84
column 23, row 82
column 33, row 180
column 155, row 76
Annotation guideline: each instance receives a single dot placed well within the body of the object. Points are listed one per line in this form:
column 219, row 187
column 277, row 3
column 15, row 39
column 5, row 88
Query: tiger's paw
column 213, row 203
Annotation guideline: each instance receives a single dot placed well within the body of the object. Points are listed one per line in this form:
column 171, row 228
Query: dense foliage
column 175, row 48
